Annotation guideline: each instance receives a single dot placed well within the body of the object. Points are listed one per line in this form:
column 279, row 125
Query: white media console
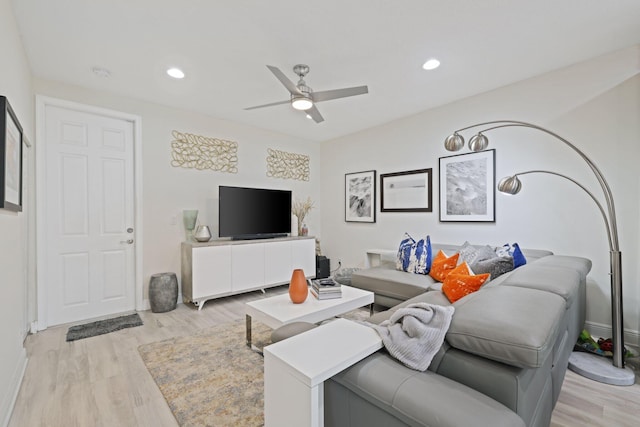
column 226, row 267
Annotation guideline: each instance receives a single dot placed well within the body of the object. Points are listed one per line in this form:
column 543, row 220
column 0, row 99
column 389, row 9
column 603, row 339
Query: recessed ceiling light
column 176, row 73
column 431, row 64
column 101, row 72
column 309, row 116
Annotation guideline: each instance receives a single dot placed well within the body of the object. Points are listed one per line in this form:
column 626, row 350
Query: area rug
column 212, row 378
column 101, row 327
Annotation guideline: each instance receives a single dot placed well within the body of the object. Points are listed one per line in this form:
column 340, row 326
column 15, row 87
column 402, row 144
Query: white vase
column 294, row 225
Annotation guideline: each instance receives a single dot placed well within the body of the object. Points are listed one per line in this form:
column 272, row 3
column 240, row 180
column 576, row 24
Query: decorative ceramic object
column 163, row 292
column 298, row 289
column 202, row 233
column 305, row 230
column 189, row 217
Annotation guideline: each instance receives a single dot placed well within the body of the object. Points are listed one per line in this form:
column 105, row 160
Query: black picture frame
column 11, row 138
column 360, row 196
column 468, row 187
column 408, row 191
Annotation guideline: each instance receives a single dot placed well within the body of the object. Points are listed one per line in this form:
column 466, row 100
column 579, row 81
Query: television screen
column 253, row 213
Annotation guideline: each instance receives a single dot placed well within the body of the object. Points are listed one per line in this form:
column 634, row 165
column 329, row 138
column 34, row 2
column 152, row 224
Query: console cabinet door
column 247, row 266
column 303, row 255
column 277, row 262
column 211, row 271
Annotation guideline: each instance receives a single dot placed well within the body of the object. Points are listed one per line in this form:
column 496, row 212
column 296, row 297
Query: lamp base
column 600, row 369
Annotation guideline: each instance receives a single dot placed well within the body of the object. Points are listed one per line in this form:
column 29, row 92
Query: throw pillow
column 404, row 252
column 471, row 254
column 518, row 257
column 462, row 268
column 496, row 267
column 514, row 251
column 414, row 257
column 456, row 286
column 442, row 265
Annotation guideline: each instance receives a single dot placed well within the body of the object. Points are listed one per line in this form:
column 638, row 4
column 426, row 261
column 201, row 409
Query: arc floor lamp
column 591, row 366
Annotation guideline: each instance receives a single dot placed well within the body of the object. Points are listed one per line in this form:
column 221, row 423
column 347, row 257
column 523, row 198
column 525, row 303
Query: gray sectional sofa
column 503, row 361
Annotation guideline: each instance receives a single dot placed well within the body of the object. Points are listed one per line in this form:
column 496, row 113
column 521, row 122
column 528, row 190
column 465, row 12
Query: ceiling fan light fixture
column 301, row 103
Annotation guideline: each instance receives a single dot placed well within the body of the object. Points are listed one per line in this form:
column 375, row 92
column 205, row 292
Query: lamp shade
column 478, row 142
column 454, row 142
column 510, row 185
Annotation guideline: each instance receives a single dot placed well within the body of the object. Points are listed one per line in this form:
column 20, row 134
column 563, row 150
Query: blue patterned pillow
column 518, row 257
column 404, row 252
column 414, row 257
column 513, row 251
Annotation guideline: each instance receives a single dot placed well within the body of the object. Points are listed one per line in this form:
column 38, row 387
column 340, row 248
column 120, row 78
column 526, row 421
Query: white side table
column 295, row 370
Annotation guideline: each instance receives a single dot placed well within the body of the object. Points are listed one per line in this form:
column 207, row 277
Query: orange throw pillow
column 456, row 286
column 443, row 265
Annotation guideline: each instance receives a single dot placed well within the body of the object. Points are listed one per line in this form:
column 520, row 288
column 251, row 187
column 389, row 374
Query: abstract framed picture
column 408, row 191
column 360, row 196
column 10, row 158
column 467, row 187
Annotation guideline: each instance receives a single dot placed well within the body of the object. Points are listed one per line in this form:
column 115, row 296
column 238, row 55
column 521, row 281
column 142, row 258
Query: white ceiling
column 223, row 47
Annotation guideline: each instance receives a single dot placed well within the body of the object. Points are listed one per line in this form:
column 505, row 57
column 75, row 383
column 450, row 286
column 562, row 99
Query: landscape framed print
column 408, row 191
column 467, row 187
column 10, row 158
column 360, row 197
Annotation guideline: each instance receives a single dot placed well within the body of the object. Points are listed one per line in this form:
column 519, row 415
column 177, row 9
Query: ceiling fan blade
column 291, row 87
column 269, row 105
column 315, row 114
column 327, row 95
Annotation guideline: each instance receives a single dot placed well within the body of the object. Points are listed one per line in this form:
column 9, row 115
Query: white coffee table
column 279, row 310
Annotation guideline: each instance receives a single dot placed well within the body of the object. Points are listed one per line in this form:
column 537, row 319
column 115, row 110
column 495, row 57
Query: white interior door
column 89, row 215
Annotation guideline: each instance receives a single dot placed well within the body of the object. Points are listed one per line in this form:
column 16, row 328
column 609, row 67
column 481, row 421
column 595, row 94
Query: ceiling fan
column 303, row 98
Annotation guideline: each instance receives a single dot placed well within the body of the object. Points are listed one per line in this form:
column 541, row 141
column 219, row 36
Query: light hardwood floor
column 102, row 381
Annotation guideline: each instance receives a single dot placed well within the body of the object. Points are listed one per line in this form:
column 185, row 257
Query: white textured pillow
column 471, row 254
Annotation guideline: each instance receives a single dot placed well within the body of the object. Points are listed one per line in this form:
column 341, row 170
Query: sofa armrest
column 415, row 398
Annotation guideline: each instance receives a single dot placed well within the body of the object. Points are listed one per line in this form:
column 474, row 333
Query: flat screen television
column 254, row 213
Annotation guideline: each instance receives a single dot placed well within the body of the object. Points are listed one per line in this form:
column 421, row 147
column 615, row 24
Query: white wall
column 168, row 190
column 15, row 84
column 595, row 104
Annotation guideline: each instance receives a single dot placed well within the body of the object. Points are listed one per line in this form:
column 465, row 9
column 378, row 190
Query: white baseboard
column 14, row 385
column 631, row 337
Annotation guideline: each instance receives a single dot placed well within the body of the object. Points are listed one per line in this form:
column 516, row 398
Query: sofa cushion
column 558, row 280
column 392, row 283
column 516, row 326
column 442, row 265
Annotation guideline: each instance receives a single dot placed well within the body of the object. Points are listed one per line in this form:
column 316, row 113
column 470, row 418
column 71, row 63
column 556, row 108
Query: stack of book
column 326, row 288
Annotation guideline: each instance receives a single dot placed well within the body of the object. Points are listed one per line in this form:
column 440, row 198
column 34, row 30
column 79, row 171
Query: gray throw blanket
column 415, row 333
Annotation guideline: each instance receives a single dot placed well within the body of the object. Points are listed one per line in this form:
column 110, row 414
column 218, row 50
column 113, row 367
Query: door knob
column 129, row 241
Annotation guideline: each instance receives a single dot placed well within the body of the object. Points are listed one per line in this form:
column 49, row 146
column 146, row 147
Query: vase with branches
column 300, row 209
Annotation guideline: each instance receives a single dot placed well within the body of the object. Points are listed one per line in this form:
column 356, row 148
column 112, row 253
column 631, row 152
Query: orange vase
column 298, row 289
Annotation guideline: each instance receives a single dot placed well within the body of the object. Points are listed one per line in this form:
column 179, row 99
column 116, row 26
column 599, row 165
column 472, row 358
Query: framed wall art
column 467, row 187
column 10, row 158
column 360, row 196
column 408, row 191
